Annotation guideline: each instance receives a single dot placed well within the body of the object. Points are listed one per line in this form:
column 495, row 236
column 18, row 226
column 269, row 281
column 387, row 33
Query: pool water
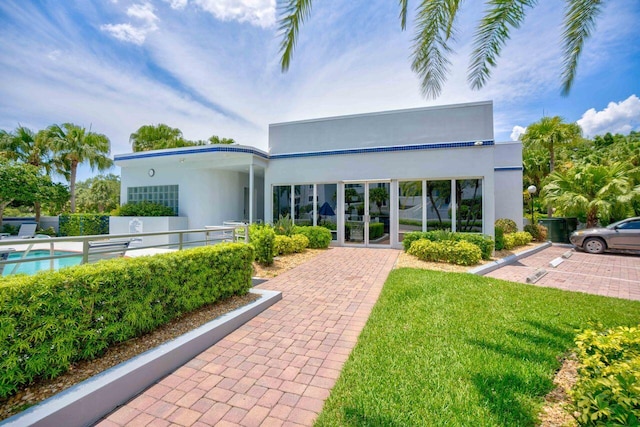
column 39, row 265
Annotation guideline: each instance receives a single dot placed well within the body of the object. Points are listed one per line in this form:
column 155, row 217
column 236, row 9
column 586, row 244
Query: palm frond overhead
column 293, row 13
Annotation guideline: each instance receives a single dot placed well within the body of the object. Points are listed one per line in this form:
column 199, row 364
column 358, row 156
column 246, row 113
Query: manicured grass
column 461, row 350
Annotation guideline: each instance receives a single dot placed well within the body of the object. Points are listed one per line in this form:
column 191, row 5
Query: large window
column 303, row 198
column 281, row 201
column 439, row 205
column 327, row 207
column 409, row 207
column 469, row 205
column 166, row 195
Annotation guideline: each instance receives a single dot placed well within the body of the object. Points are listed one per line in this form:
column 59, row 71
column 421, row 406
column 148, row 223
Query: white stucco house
column 369, row 177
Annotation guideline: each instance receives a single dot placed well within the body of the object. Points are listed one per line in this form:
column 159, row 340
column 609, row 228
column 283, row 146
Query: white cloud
column 621, row 117
column 261, row 13
column 177, row 4
column 516, row 132
column 136, row 34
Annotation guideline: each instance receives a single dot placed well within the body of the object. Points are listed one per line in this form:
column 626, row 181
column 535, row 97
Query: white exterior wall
column 508, row 177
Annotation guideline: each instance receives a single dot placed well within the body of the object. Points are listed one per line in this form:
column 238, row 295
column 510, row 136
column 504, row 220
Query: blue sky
column 212, row 67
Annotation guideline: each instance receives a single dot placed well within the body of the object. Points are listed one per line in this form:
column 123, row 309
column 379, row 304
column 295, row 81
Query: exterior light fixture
column 478, row 143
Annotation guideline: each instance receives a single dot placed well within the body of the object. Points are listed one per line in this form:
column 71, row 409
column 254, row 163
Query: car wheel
column 594, row 245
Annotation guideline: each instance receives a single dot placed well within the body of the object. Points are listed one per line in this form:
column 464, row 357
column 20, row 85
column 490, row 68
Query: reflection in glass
column 469, row 205
column 409, row 207
column 354, row 213
column 281, row 201
column 327, row 207
column 379, row 204
column 438, row 205
column 303, row 199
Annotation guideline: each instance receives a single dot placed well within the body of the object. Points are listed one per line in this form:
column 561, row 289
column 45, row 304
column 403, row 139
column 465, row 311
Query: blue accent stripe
column 216, row 149
column 413, row 147
column 508, row 168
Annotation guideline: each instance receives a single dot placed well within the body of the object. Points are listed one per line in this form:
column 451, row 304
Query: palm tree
column 150, row 137
column 435, row 29
column 34, row 149
column 549, row 133
column 594, row 191
column 76, row 145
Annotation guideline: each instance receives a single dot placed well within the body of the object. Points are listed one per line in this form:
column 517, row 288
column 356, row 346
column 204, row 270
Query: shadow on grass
column 501, row 395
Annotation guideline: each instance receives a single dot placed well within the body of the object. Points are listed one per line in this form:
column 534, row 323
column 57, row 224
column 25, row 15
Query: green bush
column 499, row 238
column 537, row 231
column 83, row 224
column 456, row 252
column 284, row 245
column 47, row 231
column 319, row 237
column 508, row 225
column 328, row 224
column 144, row 208
column 11, row 229
column 376, row 229
column 283, row 226
column 483, row 242
column 608, row 388
column 512, row 240
column 52, row 319
column 262, row 238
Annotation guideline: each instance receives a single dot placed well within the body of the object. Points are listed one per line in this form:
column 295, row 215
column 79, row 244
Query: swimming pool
column 39, row 265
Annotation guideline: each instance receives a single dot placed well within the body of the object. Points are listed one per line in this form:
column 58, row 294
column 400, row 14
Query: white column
column 251, row 193
column 453, row 205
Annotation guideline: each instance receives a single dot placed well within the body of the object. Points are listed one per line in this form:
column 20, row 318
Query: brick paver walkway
column 614, row 275
column 278, row 368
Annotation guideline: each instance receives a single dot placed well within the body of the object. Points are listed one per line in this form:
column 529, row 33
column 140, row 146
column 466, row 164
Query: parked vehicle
column 624, row 235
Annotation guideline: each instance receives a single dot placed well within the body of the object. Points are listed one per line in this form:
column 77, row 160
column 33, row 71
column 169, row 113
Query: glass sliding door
column 327, row 207
column 469, row 205
column 303, row 209
column 367, row 213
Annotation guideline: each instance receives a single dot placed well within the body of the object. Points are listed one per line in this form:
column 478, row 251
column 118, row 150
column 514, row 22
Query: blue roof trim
column 508, row 168
column 413, row 147
column 217, row 149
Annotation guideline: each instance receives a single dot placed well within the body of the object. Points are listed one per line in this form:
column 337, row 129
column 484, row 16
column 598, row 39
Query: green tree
column 436, row 28
column 20, row 182
column 215, row 139
column 161, row 136
column 98, row 194
column 75, row 145
column 378, row 195
column 35, row 149
column 595, row 192
column 549, row 133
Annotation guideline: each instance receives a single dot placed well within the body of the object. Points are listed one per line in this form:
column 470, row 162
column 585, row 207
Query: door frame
column 366, row 215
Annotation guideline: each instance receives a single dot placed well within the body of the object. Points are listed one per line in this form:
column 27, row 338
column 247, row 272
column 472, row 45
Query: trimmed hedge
column 507, row 225
column 52, row 319
column 144, row 208
column 608, row 389
column 262, row 237
column 376, row 229
column 499, row 238
column 284, row 245
column 457, row 252
column 483, row 242
column 319, row 237
column 521, row 238
column 83, row 224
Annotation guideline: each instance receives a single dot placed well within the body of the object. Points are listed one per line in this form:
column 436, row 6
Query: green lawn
column 461, row 350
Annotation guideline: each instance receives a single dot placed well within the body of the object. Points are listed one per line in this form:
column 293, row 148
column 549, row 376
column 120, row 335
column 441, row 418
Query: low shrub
column 608, row 388
column 537, row 231
column 328, row 224
column 144, row 208
column 319, row 237
column 512, row 240
column 10, row 229
column 262, row 238
column 376, row 229
column 483, row 242
column 456, row 252
column 50, row 231
column 52, row 319
column 284, row 245
column 83, row 224
column 508, row 225
column 499, row 238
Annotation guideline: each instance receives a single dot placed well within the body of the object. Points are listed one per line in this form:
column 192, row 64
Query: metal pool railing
column 103, row 246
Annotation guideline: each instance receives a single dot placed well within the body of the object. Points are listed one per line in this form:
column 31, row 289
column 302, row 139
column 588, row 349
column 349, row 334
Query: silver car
column 623, row 235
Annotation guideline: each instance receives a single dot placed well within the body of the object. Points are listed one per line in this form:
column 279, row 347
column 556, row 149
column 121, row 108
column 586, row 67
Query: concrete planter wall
column 148, row 224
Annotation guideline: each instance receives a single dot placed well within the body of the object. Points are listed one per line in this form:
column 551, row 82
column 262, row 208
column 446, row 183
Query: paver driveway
column 278, row 368
column 614, row 275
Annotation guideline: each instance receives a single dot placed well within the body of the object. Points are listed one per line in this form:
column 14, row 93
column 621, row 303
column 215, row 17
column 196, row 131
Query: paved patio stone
column 279, row 367
column 614, row 275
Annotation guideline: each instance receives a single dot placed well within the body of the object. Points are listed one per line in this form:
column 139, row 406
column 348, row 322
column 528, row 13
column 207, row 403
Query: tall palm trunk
column 72, row 185
column 37, row 207
column 552, row 165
